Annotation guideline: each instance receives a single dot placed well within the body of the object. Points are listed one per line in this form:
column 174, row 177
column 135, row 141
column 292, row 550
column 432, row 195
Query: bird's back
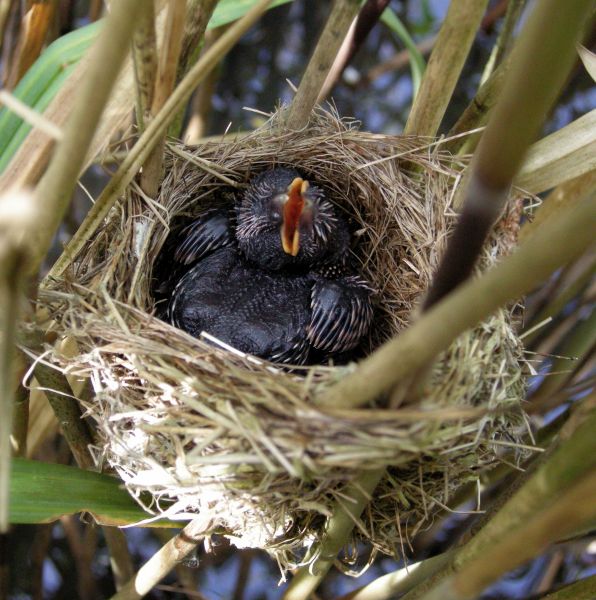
column 265, row 314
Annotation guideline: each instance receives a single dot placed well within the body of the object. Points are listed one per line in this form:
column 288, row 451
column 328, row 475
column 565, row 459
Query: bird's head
column 284, row 220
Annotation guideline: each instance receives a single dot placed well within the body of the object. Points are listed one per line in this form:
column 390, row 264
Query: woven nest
column 241, row 442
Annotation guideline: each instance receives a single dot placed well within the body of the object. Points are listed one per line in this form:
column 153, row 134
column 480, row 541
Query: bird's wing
column 212, row 230
column 342, row 312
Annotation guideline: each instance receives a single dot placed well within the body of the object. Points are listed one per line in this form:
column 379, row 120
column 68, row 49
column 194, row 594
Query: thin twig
column 342, row 14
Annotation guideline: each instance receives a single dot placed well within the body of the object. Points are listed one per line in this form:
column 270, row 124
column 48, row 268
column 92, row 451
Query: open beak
column 290, row 228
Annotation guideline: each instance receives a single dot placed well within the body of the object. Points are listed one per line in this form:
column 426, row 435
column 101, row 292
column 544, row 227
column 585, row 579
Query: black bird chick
column 270, row 275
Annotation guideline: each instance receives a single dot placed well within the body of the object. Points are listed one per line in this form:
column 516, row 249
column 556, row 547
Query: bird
column 270, row 274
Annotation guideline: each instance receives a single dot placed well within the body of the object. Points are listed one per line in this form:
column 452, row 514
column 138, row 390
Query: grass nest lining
column 242, row 442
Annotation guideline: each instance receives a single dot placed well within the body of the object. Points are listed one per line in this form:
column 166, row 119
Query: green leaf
column 45, row 75
column 227, row 11
column 43, row 492
column 417, row 62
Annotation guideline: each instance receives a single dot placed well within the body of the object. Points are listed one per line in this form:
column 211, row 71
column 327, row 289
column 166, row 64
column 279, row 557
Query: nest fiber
column 242, row 442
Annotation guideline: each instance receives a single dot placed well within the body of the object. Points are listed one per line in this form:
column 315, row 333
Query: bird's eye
column 277, row 207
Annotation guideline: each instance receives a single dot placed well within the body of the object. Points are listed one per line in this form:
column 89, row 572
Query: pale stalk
column 163, row 561
column 343, row 12
column 444, row 67
column 345, row 513
column 54, row 191
column 164, row 84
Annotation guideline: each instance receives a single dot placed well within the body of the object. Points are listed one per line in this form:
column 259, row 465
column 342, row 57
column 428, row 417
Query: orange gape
column 290, row 230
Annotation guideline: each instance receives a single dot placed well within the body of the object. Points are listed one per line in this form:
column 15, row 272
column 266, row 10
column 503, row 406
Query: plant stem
column 152, row 134
column 401, row 581
column 553, row 499
column 163, row 561
column 342, row 14
column 559, row 241
column 345, row 514
column 164, row 84
column 360, row 28
column 540, row 63
column 13, row 259
column 476, row 113
column 503, row 43
column 55, row 188
column 444, row 66
column 144, row 53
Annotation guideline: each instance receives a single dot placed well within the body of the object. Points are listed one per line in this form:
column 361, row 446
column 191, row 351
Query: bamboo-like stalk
column 138, row 154
column 163, row 561
column 540, row 63
column 193, row 43
column 20, row 422
column 164, row 84
column 559, row 241
column 336, row 28
column 345, row 513
column 144, row 53
column 54, row 190
column 503, row 43
column 566, row 194
column 68, row 412
column 16, row 219
column 401, row 581
column 358, row 31
column 541, row 510
column 476, row 113
column 444, row 66
column 61, row 397
column 584, row 589
column 574, row 507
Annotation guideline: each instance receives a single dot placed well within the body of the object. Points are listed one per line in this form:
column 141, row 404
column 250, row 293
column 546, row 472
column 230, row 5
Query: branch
column 539, row 69
column 444, row 66
column 560, row 240
column 342, row 14
column 163, row 561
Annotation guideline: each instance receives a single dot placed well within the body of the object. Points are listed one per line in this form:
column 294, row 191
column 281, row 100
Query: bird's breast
column 265, row 314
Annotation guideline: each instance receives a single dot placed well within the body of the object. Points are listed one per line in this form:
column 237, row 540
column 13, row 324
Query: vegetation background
column 70, row 557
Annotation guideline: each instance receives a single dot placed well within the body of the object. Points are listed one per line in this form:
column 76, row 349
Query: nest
column 208, row 430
